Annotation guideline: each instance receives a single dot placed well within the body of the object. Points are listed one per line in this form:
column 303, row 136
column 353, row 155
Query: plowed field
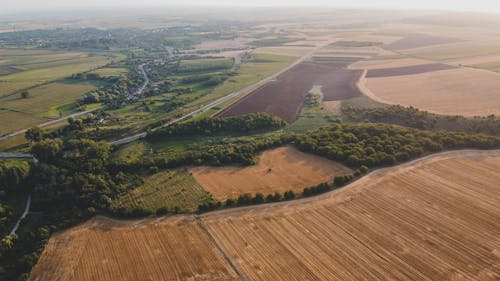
column 285, row 97
column 437, row 218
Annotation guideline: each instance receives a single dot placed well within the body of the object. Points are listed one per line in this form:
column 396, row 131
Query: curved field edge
column 357, row 232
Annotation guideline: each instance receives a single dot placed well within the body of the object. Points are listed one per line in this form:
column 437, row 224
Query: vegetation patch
column 164, row 192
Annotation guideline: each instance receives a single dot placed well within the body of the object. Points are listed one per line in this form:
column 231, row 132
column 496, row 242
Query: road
column 223, row 99
column 78, row 114
column 14, row 155
column 23, row 216
column 74, row 115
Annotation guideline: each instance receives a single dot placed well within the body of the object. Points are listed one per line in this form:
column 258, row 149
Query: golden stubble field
column 463, row 91
column 437, row 218
column 278, row 170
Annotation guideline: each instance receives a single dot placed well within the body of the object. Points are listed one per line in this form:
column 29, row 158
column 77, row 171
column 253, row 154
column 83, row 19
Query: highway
column 225, row 98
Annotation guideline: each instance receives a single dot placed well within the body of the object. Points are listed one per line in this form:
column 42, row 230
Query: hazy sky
column 470, row 5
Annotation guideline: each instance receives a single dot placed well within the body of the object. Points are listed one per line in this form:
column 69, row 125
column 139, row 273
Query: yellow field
column 432, row 219
column 278, row 170
column 463, row 91
column 388, row 63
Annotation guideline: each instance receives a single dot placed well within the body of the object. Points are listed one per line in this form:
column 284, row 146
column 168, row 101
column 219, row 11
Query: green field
column 248, row 74
column 168, row 189
column 45, row 102
column 110, row 71
column 312, row 116
column 39, row 67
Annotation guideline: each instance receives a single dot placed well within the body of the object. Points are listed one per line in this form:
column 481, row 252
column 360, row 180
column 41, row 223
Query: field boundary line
column 220, row 248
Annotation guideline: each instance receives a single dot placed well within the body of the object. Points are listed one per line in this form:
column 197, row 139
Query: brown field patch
column 278, row 170
column 333, row 107
column 462, row 91
column 407, row 70
column 420, row 40
column 425, row 220
column 285, row 97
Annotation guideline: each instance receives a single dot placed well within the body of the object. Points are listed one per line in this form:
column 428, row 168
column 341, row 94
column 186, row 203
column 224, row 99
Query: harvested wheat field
column 420, row 40
column 407, row 70
column 388, row 63
column 278, row 170
column 461, row 91
column 424, row 220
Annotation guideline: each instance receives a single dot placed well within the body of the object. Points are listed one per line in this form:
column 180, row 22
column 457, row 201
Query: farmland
column 170, row 189
column 44, row 102
column 420, row 40
column 422, row 220
column 278, row 170
column 438, row 91
column 46, row 68
column 407, row 70
column 285, row 97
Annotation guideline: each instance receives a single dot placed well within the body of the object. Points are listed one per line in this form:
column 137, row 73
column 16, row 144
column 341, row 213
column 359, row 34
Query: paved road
column 23, row 216
column 15, row 155
column 223, row 99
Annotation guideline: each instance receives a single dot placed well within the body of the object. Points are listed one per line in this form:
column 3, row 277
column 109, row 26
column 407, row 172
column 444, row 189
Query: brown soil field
column 333, row 107
column 424, row 220
column 278, row 170
column 285, row 97
column 407, row 70
column 461, row 91
column 420, row 40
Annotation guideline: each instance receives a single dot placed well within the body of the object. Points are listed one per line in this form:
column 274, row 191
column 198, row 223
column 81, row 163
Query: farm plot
column 461, row 91
column 420, row 40
column 425, row 220
column 407, row 70
column 399, row 61
column 170, row 189
column 278, row 170
column 163, row 249
column 284, row 98
column 37, row 74
column 43, row 102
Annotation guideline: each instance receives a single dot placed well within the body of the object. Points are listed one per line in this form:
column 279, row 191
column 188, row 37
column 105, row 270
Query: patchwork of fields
column 423, row 220
column 285, row 97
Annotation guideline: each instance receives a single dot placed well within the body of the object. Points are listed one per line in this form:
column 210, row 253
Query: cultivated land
column 387, row 63
column 420, row 40
column 44, row 102
column 170, row 189
column 278, row 170
column 461, row 91
column 424, row 220
column 407, row 70
column 285, row 97
column 45, row 69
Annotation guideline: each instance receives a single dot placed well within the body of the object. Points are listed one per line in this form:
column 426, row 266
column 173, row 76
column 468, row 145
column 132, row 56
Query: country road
column 225, row 98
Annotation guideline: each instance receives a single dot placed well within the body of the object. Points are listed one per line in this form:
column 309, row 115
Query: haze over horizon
column 452, row 5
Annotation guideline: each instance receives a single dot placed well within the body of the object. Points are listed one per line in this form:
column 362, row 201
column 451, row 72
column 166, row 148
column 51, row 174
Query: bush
column 289, row 195
column 162, row 211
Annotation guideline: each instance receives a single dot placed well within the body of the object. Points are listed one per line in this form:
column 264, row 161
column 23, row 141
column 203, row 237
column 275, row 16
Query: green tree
column 34, row 134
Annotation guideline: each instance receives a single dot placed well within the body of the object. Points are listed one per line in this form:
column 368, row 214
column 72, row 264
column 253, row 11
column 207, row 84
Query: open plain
column 424, row 220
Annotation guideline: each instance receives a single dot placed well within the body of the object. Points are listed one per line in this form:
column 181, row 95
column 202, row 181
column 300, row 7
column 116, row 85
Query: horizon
column 32, row 6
